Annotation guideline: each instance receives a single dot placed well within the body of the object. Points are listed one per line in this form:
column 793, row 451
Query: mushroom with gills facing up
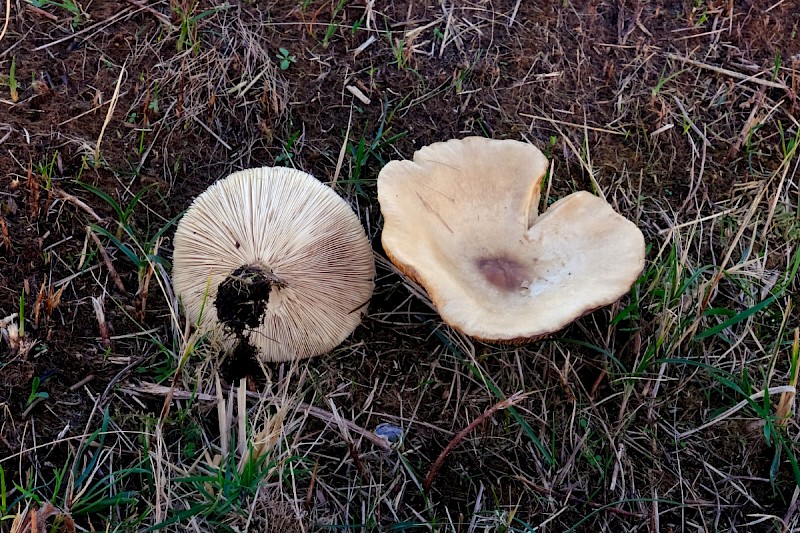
column 275, row 263
column 462, row 220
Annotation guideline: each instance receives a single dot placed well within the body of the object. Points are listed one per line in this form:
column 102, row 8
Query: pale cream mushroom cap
column 462, row 220
column 291, row 225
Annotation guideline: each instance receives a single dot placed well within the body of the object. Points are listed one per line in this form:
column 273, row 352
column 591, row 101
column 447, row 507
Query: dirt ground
column 114, row 115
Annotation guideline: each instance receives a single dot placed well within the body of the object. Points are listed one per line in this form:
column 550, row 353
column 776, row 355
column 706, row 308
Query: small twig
column 241, row 416
column 88, row 111
column 573, row 124
column 371, row 39
column 107, row 260
column 38, row 304
column 112, row 106
column 513, row 16
column 354, row 455
column 41, row 12
column 144, row 288
column 773, row 6
column 209, row 130
column 78, row 202
column 597, row 382
column 311, row 485
column 696, row 221
column 7, row 20
column 342, row 151
column 505, row 404
column 358, row 93
column 731, row 73
column 160, row 16
column 146, row 153
column 98, row 401
column 71, row 277
column 749, row 124
column 697, row 181
column 662, row 129
column 81, row 383
column 322, row 414
column 351, row 446
column 103, row 24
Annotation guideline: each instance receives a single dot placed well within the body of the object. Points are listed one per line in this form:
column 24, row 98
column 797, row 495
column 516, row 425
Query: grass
column 186, row 11
column 70, row 6
column 672, row 409
column 368, row 152
column 12, row 80
column 332, row 27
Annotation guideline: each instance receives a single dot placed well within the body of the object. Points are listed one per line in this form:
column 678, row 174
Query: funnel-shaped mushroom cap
column 274, row 258
column 461, row 219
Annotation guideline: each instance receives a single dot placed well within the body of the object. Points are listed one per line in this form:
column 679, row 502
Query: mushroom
column 275, row 261
column 462, row 220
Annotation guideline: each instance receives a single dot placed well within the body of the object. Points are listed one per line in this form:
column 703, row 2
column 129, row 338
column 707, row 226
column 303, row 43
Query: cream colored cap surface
column 461, row 219
column 302, row 235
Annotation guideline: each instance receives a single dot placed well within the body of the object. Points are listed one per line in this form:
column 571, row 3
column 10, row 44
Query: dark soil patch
column 243, row 297
column 241, row 302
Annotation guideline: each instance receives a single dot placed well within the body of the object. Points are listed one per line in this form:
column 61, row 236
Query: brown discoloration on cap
column 502, row 272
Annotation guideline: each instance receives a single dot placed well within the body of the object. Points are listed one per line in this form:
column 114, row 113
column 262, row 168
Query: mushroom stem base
column 243, row 297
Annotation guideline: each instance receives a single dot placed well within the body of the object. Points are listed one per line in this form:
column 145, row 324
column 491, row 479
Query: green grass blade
column 124, row 248
column 195, row 510
column 106, row 198
column 710, row 332
column 3, row 502
column 101, row 432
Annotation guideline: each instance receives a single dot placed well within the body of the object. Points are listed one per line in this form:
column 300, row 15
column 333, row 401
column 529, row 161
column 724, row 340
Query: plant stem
column 504, row 404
